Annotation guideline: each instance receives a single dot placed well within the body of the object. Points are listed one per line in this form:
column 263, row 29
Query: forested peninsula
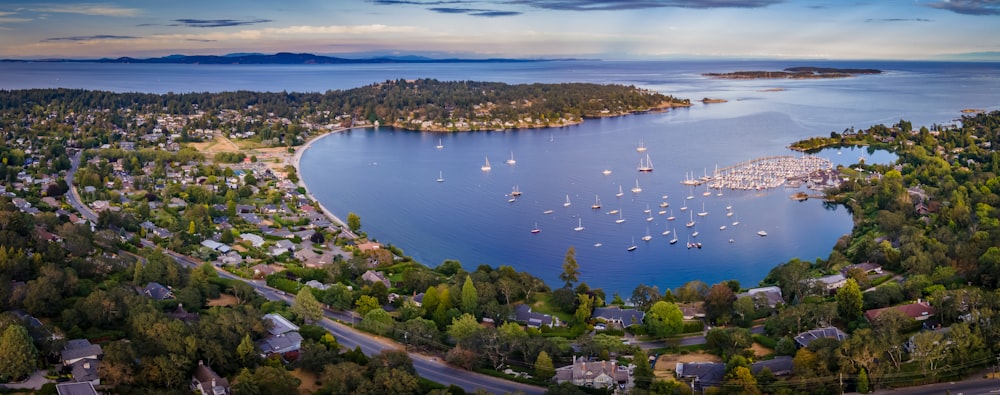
column 795, row 73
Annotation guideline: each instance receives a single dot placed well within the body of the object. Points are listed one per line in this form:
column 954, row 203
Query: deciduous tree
column 18, row 356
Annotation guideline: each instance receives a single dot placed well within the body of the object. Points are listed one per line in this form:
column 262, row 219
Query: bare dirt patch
column 760, row 350
column 309, row 384
column 219, row 144
column 223, row 300
column 667, row 363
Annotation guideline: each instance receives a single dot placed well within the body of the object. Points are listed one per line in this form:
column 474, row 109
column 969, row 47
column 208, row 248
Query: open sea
column 389, row 177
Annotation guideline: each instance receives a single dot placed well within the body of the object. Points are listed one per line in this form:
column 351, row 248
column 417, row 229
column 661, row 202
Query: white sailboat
column 690, row 194
column 641, row 147
column 606, row 172
column 647, row 210
column 647, row 237
column 440, row 176
column 620, row 193
column 620, row 219
column 637, row 189
column 702, row 213
column 567, row 202
column 440, row 144
column 664, row 204
column 690, row 224
column 597, row 203
column 723, row 227
column 632, row 246
column 515, row 192
column 579, row 225
column 666, row 231
column 511, row 161
column 707, row 192
column 674, row 240
column 694, row 234
column 671, row 217
column 647, row 166
column 535, row 229
column 761, row 233
column 486, row 167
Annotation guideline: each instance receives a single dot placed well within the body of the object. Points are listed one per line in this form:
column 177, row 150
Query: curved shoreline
column 297, row 157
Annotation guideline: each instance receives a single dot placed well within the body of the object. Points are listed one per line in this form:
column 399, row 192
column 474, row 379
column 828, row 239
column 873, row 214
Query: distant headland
column 804, row 72
column 282, row 58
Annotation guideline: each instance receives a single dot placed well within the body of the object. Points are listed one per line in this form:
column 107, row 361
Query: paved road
column 74, row 197
column 965, row 387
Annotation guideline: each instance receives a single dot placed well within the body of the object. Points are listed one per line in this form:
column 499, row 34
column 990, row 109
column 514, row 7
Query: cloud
column 617, row 5
column 217, row 22
column 474, row 11
column 85, row 9
column 969, row 7
column 90, row 38
column 871, row 20
column 419, row 2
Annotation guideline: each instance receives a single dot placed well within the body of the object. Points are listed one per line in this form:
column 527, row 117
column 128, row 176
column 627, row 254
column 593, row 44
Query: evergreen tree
column 643, row 373
column 571, row 269
column 470, row 296
column 863, row 382
column 18, row 356
column 849, row 301
column 543, row 366
column 306, row 306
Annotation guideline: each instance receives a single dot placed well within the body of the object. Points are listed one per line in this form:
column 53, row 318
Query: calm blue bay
column 388, row 177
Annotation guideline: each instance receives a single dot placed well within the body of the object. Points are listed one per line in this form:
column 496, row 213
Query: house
column 693, row 310
column 263, row 270
column 86, row 371
column 376, row 277
column 701, row 374
column 207, row 382
column 182, row 314
column 284, row 337
column 921, row 310
column 369, row 246
column 84, row 388
column 418, row 299
column 281, row 247
column 524, row 315
column 594, row 374
column 832, row 282
column 214, row 245
column 772, row 295
column 255, row 240
column 803, row 339
column 157, row 291
column 77, row 350
column 867, row 267
column 317, row 285
column 779, row 366
column 617, row 315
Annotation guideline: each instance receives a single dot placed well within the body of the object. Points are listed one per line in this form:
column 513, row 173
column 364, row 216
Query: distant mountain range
column 281, row 58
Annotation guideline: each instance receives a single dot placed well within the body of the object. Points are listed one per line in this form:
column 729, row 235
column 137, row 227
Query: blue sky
column 607, row 29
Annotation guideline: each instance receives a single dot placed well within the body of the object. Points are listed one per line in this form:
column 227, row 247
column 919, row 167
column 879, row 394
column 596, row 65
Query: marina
column 771, row 172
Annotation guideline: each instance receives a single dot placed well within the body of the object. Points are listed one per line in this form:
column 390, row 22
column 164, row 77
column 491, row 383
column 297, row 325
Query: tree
column 470, row 297
column 18, row 356
column 929, row 350
column 306, row 306
column 643, row 372
column 571, row 269
column 719, row 302
column 462, row 327
column 366, row 303
column 862, row 382
column 741, row 381
column 664, row 319
column 585, row 307
column 849, row 301
column 273, row 380
column 353, row 222
column 543, row 366
column 377, row 321
column 863, row 351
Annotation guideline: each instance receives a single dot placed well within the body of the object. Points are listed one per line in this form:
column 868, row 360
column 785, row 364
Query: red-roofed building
column 921, row 310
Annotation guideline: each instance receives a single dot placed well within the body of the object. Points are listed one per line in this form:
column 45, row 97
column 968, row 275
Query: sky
column 596, row 29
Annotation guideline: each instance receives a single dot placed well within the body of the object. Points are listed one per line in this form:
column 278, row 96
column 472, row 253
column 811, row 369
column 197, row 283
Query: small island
column 708, row 100
column 794, row 73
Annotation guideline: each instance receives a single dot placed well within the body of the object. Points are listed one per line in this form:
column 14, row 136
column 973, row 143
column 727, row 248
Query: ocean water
column 388, row 177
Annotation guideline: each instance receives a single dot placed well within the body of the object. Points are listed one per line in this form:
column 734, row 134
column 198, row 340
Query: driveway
column 36, row 381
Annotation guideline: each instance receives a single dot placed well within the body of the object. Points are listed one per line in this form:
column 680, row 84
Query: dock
column 771, row 172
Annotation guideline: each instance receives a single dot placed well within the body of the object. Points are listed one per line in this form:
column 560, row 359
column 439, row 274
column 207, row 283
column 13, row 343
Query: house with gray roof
column 617, row 315
column 701, row 374
column 524, row 315
column 84, row 388
column 772, row 295
column 206, row 382
column 803, row 339
column 283, row 336
column 594, row 374
column 77, row 350
column 157, row 291
column 376, row 277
